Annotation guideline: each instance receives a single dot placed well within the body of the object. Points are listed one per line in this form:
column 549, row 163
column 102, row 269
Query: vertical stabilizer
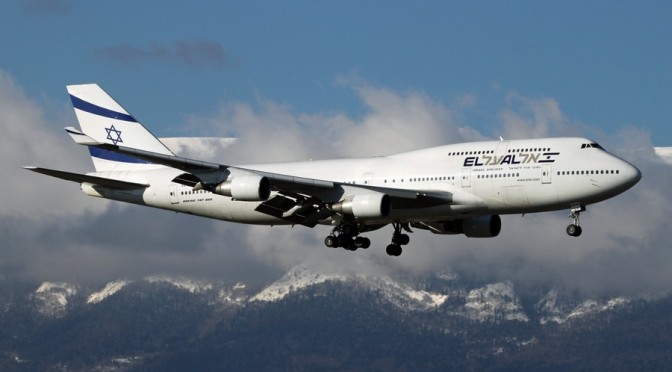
column 103, row 119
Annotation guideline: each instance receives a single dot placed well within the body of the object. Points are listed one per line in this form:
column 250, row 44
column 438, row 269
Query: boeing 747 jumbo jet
column 453, row 189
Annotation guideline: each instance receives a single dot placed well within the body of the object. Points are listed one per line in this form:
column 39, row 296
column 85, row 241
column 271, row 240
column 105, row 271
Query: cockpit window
column 591, row 145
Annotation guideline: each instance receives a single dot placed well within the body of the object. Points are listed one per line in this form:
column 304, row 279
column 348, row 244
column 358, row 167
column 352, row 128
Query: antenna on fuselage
column 501, row 139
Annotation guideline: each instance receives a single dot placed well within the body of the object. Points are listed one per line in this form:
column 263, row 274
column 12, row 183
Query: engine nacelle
column 246, row 188
column 365, row 205
column 473, row 227
column 482, row 227
column 476, row 227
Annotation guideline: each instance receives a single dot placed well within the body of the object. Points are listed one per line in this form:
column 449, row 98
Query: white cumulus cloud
column 624, row 247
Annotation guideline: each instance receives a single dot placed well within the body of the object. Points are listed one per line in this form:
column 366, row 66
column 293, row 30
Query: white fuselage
column 495, row 177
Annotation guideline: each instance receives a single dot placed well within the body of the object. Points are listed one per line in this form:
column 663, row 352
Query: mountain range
column 308, row 320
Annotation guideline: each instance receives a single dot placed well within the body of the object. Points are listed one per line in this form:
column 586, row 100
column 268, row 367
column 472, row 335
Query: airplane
column 452, row 189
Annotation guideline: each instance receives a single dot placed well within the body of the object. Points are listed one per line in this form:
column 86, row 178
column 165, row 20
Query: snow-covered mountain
column 400, row 294
column 107, row 291
column 317, row 319
column 496, row 302
column 490, row 303
column 52, row 299
column 552, row 308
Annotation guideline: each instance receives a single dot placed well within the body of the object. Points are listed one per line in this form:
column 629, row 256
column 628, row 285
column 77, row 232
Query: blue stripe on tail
column 113, row 156
column 100, row 111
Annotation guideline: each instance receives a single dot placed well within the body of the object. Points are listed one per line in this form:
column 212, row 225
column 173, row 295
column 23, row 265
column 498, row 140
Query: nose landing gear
column 575, row 229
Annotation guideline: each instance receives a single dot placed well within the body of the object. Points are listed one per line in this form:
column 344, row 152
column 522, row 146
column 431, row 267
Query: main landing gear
column 574, row 229
column 398, row 239
column 346, row 236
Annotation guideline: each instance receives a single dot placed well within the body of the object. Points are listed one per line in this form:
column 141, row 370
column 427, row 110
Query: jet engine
column 473, row 227
column 245, row 188
column 365, row 205
column 482, row 227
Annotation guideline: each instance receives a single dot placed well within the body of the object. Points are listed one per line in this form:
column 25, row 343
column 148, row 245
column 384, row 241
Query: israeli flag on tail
column 103, row 120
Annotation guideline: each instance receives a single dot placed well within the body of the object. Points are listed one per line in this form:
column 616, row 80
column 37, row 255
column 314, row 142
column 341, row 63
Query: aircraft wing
column 280, row 182
column 300, row 200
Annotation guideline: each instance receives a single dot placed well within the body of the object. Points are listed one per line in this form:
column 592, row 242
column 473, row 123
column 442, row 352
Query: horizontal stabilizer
column 81, row 178
column 80, row 138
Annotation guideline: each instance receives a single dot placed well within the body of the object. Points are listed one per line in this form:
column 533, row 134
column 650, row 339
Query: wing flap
column 301, row 211
column 276, row 206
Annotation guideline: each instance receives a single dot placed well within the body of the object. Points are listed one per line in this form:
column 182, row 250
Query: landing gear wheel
column 398, row 239
column 361, row 242
column 393, row 250
column 574, row 230
column 331, row 241
column 348, row 243
column 403, row 239
column 345, row 235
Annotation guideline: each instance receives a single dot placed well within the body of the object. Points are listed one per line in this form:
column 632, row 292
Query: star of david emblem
column 116, row 137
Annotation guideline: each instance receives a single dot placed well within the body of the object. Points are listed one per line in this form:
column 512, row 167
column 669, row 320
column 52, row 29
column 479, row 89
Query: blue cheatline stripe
column 101, row 111
column 113, row 156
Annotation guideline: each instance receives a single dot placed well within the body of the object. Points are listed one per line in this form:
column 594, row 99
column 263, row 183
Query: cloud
column 29, row 138
column 533, row 250
column 665, row 154
column 525, row 117
column 52, row 232
column 393, row 123
column 199, row 54
column 205, row 148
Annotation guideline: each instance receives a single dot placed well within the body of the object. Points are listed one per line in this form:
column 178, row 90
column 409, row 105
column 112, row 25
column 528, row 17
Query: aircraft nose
column 633, row 175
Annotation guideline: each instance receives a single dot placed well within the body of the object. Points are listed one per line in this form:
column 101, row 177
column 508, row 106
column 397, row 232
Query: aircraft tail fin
column 103, row 120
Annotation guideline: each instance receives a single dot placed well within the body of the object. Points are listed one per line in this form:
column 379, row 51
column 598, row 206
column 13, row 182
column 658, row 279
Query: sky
column 317, row 80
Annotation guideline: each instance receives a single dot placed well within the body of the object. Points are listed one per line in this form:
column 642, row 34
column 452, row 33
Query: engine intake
column 246, row 188
column 365, row 205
